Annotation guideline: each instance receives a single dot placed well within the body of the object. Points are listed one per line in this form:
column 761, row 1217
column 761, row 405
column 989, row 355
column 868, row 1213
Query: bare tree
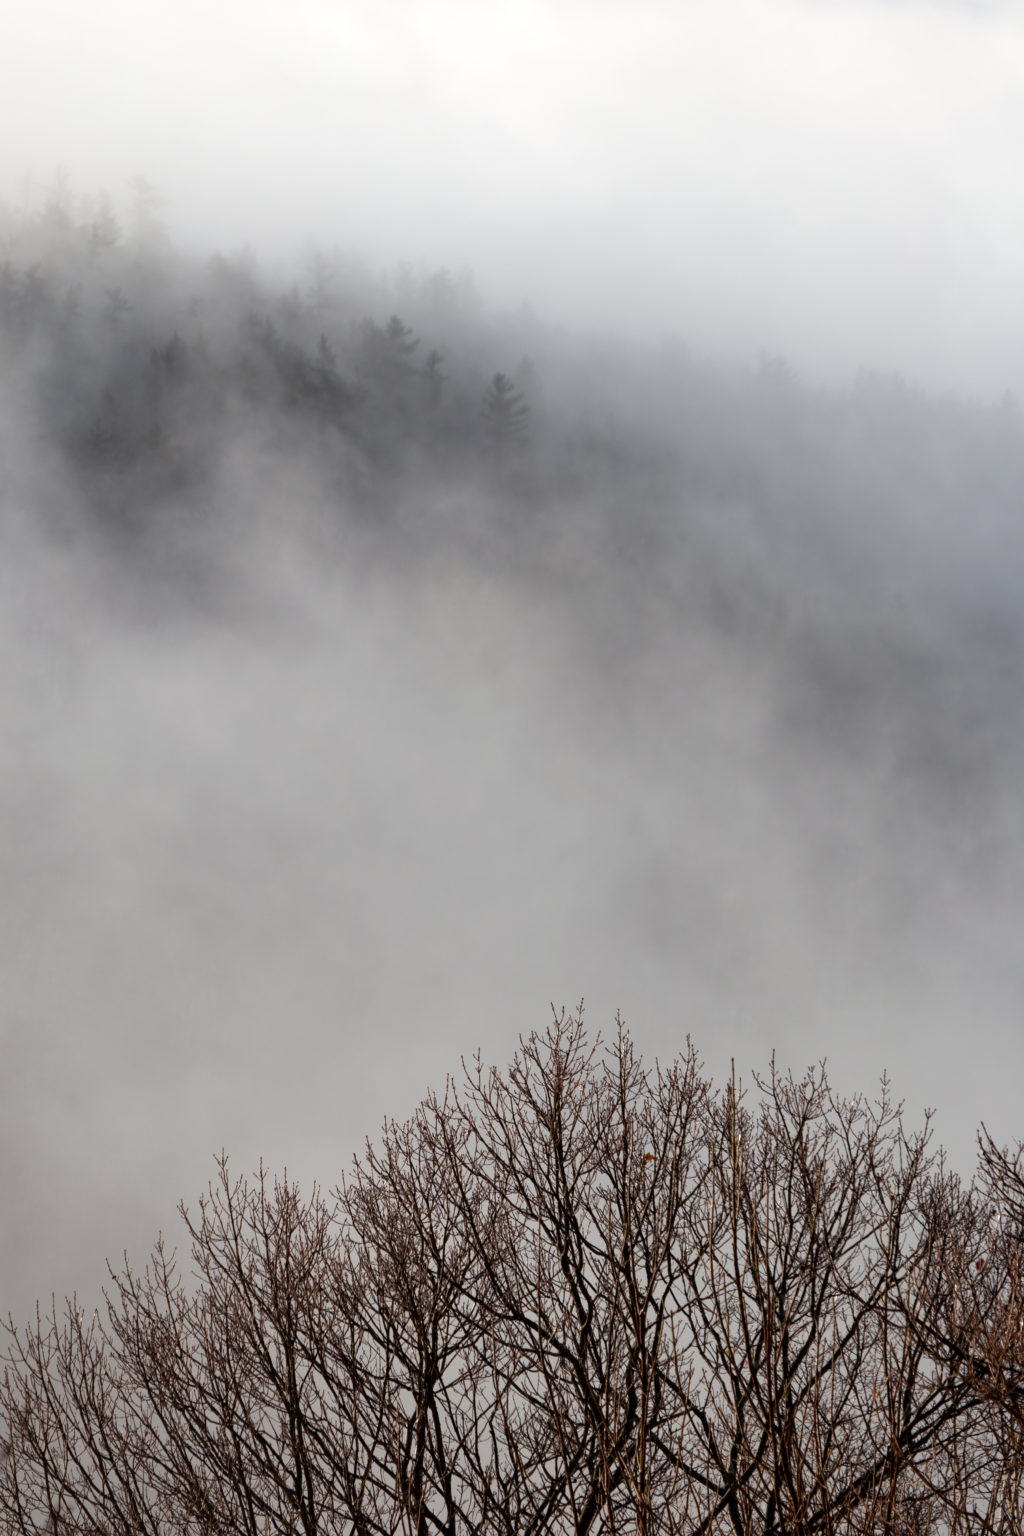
column 579, row 1295
column 979, row 1333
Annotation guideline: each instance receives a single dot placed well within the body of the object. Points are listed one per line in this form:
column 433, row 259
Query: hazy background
column 279, row 847
column 829, row 178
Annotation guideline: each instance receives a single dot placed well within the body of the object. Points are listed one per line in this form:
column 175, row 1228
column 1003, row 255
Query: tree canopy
column 578, row 1295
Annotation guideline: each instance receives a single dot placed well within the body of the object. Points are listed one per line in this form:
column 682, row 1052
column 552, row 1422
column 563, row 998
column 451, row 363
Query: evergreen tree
column 506, row 415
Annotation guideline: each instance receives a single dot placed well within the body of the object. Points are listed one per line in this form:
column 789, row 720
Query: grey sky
column 836, row 181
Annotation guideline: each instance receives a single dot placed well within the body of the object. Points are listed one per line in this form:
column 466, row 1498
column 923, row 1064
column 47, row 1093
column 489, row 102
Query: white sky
column 836, row 180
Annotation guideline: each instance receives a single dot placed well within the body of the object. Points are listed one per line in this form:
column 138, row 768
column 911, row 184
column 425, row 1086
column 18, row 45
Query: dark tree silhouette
column 506, row 415
column 433, row 379
column 387, row 353
column 576, row 1296
column 103, row 230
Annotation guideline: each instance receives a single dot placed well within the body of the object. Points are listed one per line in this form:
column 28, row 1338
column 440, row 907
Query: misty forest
column 379, row 664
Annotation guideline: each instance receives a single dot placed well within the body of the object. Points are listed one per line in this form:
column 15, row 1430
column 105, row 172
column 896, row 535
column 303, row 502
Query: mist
column 346, row 728
column 831, row 179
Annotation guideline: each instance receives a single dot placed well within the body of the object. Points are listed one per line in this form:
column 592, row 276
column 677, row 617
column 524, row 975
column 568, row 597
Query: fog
column 343, row 733
column 833, row 179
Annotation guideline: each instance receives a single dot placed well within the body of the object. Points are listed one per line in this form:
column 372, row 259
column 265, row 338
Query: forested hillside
column 139, row 376
column 376, row 664
column 870, row 537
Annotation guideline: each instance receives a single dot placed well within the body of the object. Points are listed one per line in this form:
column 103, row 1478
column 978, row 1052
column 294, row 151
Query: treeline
column 139, row 365
column 136, row 369
column 579, row 1295
column 855, row 532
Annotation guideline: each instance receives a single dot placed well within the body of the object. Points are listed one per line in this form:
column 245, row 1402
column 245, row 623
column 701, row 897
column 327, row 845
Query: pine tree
column 506, row 415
